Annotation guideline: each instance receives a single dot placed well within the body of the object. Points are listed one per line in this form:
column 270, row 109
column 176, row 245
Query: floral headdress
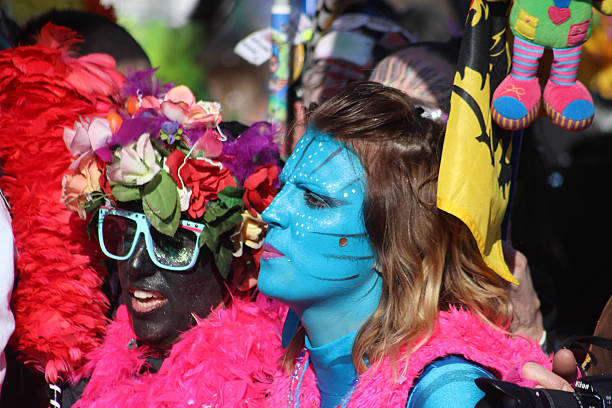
column 168, row 151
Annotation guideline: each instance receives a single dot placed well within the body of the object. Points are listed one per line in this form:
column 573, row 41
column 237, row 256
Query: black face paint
column 161, row 302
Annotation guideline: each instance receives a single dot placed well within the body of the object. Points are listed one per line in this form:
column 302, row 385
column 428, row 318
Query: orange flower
column 83, row 181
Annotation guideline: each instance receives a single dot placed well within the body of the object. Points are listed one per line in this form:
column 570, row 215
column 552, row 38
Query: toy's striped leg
column 516, row 100
column 567, row 101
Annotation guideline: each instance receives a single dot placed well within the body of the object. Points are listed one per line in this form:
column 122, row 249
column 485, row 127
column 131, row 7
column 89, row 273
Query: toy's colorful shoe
column 516, row 102
column 569, row 106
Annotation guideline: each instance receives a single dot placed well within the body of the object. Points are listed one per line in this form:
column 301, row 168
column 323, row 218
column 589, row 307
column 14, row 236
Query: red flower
column 203, row 178
column 245, row 271
column 104, row 183
column 260, row 188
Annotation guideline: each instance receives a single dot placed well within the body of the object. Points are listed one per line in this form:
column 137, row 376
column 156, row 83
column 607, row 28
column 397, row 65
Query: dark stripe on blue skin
column 373, row 284
column 331, row 156
column 348, row 257
column 363, row 234
column 336, row 280
column 303, row 153
column 350, row 183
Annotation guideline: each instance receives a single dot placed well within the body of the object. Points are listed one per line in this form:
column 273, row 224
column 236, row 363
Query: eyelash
column 315, row 201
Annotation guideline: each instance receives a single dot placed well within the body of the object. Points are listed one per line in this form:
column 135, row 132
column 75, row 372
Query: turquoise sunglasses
column 120, row 230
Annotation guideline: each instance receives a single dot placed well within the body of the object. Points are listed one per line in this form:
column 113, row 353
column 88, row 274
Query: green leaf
column 161, row 195
column 123, row 192
column 232, row 196
column 221, row 223
column 166, row 226
column 223, row 260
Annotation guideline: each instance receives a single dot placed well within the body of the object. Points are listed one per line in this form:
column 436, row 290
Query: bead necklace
column 297, row 374
column 292, row 394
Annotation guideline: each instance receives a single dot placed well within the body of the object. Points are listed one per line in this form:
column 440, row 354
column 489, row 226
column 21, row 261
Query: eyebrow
column 329, row 158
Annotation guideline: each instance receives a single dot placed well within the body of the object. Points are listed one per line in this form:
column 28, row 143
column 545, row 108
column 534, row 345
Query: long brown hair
column 428, row 259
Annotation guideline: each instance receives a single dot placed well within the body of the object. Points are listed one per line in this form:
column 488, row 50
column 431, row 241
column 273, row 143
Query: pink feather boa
column 458, row 332
column 226, row 360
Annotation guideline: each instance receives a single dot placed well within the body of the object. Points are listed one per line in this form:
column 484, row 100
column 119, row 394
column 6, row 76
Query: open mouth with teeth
column 144, row 301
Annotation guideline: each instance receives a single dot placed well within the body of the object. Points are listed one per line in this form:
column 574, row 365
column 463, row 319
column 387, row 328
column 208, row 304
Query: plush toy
column 563, row 26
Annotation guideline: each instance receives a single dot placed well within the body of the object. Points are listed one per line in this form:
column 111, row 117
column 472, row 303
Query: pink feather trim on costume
column 459, row 332
column 226, row 360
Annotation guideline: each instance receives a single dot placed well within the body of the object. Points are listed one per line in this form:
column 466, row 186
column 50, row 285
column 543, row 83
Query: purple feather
column 146, row 83
column 132, row 128
column 253, row 148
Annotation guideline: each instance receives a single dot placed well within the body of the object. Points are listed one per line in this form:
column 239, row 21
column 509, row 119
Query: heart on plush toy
column 559, row 15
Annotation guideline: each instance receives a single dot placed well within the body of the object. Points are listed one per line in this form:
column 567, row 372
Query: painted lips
column 144, row 301
column 269, row 252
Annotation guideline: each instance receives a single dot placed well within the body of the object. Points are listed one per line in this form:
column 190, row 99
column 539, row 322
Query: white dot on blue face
column 353, row 191
column 345, row 195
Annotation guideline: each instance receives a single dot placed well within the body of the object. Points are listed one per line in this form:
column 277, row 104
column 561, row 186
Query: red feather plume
column 58, row 303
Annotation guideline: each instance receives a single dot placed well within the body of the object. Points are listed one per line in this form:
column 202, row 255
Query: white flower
column 136, row 163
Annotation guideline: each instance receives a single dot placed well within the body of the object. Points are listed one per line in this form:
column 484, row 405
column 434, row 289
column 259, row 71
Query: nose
column 140, row 263
column 277, row 213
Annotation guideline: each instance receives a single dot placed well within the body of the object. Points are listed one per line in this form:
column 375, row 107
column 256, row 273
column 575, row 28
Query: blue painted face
column 317, row 248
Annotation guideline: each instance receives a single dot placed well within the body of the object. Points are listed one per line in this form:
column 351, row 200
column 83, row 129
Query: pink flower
column 77, row 186
column 209, row 145
column 88, row 137
column 150, row 102
column 136, row 163
column 180, row 105
column 204, row 114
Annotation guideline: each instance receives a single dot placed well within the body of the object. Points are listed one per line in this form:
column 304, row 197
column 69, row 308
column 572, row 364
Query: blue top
column 333, row 365
column 447, row 381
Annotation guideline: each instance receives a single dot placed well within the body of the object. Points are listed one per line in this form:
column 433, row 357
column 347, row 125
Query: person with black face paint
column 176, row 197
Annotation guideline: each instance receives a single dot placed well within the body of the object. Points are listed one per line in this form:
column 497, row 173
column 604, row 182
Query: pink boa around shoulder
column 226, row 360
column 458, row 333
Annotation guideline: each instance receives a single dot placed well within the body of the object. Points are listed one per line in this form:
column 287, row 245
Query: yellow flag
column 476, row 169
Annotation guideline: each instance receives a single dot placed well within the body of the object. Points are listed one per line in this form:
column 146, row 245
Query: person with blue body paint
column 390, row 302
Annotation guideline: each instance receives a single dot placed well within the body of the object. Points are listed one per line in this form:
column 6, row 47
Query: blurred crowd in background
column 561, row 216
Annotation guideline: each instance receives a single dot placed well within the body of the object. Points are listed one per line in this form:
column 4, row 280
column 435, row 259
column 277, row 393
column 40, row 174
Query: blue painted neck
column 333, row 366
column 329, row 319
